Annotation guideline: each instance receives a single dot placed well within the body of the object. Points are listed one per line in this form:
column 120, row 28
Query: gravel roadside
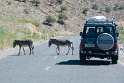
column 121, row 53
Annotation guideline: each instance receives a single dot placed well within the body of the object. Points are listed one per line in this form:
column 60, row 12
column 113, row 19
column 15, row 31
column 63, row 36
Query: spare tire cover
column 105, row 41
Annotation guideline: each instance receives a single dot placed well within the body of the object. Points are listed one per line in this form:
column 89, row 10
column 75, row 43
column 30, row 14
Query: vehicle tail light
column 115, row 46
column 81, row 45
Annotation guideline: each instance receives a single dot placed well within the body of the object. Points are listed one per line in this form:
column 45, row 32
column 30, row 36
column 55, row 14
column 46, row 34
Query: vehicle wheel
column 114, row 60
column 82, row 58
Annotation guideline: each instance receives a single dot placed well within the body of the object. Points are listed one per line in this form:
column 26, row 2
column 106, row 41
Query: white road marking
column 121, row 63
column 47, row 68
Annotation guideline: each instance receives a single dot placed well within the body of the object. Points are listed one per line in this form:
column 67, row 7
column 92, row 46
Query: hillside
column 31, row 14
column 77, row 10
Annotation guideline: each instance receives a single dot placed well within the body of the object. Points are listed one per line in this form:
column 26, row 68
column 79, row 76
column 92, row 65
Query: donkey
column 59, row 43
column 24, row 43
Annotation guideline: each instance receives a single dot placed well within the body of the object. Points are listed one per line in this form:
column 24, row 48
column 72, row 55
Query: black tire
column 82, row 58
column 115, row 59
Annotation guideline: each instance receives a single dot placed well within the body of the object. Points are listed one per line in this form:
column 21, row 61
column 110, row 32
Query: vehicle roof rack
column 99, row 19
column 104, row 22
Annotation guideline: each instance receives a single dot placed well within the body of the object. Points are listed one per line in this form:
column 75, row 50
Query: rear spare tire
column 105, row 41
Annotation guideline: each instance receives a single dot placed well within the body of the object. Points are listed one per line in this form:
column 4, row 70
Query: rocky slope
column 77, row 11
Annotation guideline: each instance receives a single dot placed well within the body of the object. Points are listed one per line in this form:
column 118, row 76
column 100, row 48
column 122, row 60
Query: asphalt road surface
column 45, row 66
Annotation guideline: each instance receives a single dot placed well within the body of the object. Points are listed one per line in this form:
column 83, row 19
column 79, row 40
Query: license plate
column 89, row 45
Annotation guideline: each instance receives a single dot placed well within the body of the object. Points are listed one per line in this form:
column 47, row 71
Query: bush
column 60, row 21
column 63, row 8
column 36, row 2
column 121, row 33
column 121, row 7
column 85, row 10
column 52, row 1
column 50, row 19
column 26, row 11
column 59, row 1
column 6, row 37
column 95, row 6
column 116, row 6
column 21, row 0
column 62, row 16
column 107, row 9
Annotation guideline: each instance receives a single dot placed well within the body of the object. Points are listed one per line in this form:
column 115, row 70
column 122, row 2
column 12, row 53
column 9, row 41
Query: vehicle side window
column 90, row 31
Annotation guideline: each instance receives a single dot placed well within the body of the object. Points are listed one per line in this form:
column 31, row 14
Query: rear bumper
column 94, row 52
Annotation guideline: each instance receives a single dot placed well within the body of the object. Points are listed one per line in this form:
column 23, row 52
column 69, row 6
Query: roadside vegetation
column 121, row 34
column 9, row 34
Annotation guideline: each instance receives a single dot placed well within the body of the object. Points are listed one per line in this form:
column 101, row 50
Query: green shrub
column 95, row 6
column 63, row 8
column 36, row 2
column 21, row 0
column 60, row 21
column 107, row 9
column 85, row 10
column 62, row 16
column 121, row 33
column 6, row 37
column 52, row 1
column 59, row 1
column 50, row 19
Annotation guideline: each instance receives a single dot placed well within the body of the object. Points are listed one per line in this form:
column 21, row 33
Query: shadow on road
column 88, row 62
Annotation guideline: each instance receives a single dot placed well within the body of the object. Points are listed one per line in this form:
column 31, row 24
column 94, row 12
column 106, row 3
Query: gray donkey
column 59, row 43
column 23, row 43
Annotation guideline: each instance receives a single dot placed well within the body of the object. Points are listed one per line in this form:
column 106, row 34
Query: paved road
column 48, row 67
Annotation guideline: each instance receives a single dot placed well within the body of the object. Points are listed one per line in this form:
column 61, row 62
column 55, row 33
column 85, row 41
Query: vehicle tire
column 115, row 59
column 82, row 58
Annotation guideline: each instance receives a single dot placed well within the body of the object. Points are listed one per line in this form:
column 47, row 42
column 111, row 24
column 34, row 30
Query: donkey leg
column 24, row 51
column 30, row 50
column 19, row 50
column 57, row 49
column 72, row 49
column 68, row 50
